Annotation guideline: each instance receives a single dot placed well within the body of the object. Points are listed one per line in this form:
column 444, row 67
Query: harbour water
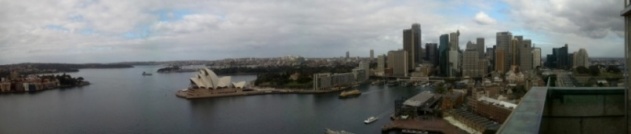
column 124, row 101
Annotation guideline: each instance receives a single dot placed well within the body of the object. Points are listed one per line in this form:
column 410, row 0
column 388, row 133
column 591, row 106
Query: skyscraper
column 443, row 55
column 454, row 53
column 562, row 57
column 525, row 55
column 480, row 46
column 431, row 53
column 348, row 54
column 536, row 57
column 503, row 41
column 397, row 60
column 412, row 45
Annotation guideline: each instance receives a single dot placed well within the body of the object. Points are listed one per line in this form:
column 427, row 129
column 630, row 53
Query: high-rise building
column 490, row 57
column 536, row 57
column 348, row 54
column 372, row 54
column 431, row 53
column 454, row 53
column 443, row 55
column 412, row 45
column 525, row 55
column 381, row 63
column 472, row 63
column 503, row 41
column 480, row 46
column 581, row 58
column 397, row 61
column 562, row 57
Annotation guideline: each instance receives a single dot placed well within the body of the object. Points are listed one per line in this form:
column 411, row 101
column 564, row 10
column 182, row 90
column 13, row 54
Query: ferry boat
column 371, row 119
column 146, row 74
column 350, row 93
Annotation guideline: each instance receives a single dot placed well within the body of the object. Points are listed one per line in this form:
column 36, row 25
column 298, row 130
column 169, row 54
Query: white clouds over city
column 79, row 31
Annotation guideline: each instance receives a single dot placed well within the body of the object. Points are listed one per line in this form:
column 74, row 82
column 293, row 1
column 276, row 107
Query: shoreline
column 86, row 83
column 200, row 93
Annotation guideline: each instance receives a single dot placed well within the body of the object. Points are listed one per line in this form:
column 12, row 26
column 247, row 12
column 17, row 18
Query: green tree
column 594, row 70
column 582, row 70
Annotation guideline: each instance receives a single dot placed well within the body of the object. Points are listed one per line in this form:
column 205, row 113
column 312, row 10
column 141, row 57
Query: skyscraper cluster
column 476, row 60
column 561, row 59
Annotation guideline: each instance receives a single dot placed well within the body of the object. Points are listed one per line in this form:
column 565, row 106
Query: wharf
column 207, row 93
column 422, row 125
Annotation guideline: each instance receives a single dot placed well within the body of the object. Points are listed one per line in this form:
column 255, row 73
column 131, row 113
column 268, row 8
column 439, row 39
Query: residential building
column 321, row 81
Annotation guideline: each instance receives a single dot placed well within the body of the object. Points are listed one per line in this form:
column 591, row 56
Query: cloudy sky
column 80, row 31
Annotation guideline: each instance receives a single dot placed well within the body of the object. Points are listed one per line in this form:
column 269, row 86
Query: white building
column 207, row 79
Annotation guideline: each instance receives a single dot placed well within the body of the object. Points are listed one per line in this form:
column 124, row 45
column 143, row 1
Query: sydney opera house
column 207, row 84
column 207, row 79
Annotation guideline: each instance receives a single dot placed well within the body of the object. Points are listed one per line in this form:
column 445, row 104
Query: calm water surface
column 123, row 101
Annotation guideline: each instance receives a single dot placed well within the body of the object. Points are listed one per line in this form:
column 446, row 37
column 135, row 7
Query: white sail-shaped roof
column 240, row 84
column 197, row 82
column 206, row 78
column 224, row 81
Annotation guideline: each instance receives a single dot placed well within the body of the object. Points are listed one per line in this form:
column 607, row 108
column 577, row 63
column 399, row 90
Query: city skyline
column 108, row 31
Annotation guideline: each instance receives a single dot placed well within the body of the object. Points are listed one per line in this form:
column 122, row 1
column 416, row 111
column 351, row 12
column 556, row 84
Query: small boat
column 350, row 93
column 370, row 119
column 329, row 131
column 146, row 74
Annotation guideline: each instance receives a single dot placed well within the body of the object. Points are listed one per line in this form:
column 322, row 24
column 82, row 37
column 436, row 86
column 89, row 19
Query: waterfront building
column 431, row 53
column 502, row 51
column 420, row 104
column 321, row 81
column 536, row 57
column 581, row 58
column 443, row 55
column 412, row 45
column 360, row 74
column 397, row 61
column 342, row 79
column 207, row 79
column 5, row 86
column 381, row 64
